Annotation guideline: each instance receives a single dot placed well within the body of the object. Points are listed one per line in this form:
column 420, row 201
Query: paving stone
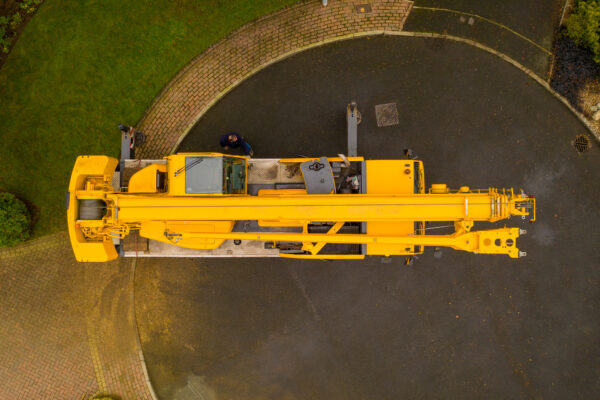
column 67, row 328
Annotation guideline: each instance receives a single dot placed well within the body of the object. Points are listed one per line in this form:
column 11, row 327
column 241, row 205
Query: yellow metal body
column 145, row 180
column 394, row 209
column 392, row 177
column 90, row 179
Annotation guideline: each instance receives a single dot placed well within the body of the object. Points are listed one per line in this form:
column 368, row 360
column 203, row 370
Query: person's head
column 232, row 138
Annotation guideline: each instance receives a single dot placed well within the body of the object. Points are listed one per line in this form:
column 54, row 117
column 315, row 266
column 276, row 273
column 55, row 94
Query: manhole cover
column 582, row 143
column 386, row 114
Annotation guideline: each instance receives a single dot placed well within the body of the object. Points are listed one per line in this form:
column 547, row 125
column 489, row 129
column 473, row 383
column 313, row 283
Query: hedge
column 583, row 26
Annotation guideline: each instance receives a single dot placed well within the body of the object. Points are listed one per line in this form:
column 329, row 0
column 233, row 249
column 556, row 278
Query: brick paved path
column 254, row 46
column 66, row 329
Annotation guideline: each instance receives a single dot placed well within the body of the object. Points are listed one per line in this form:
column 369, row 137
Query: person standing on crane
column 233, row 140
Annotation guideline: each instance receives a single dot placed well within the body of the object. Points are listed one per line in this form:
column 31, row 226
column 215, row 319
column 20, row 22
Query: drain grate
column 582, row 143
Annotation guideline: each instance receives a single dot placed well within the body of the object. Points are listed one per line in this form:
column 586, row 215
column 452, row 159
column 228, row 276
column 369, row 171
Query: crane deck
column 263, row 174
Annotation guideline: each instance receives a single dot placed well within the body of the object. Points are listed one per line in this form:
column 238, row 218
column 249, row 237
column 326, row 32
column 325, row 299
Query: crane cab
column 213, row 174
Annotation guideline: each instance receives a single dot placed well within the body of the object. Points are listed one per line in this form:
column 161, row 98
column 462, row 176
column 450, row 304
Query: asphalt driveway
column 459, row 326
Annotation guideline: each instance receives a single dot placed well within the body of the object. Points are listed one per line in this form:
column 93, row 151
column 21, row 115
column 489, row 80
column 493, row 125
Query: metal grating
column 582, row 143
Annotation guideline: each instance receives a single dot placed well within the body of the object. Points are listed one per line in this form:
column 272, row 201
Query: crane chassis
column 220, row 205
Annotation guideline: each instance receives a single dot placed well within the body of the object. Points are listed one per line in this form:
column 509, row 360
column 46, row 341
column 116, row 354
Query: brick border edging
column 139, row 349
column 229, row 88
column 181, row 73
column 516, row 64
column 503, row 56
column 192, row 92
column 47, row 241
column 249, row 49
column 118, row 371
column 480, row 46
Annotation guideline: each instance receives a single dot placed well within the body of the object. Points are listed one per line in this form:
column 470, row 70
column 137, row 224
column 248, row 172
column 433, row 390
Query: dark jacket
column 225, row 142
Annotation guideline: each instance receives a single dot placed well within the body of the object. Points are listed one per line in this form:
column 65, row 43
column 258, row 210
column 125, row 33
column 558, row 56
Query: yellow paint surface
column 390, row 177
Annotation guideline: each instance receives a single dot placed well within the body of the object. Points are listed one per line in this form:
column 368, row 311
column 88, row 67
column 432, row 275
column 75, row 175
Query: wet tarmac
column 459, row 326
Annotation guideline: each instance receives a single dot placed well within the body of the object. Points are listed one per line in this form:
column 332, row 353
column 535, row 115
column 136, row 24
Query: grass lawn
column 80, row 68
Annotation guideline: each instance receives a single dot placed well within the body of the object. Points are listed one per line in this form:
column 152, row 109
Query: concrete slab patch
column 386, row 114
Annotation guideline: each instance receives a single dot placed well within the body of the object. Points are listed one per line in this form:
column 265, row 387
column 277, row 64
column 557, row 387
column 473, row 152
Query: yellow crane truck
column 220, row 205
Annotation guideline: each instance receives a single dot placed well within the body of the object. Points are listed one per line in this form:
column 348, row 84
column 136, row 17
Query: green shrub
column 4, row 41
column 3, row 25
column 29, row 6
column 583, row 26
column 15, row 20
column 15, row 220
column 4, row 45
